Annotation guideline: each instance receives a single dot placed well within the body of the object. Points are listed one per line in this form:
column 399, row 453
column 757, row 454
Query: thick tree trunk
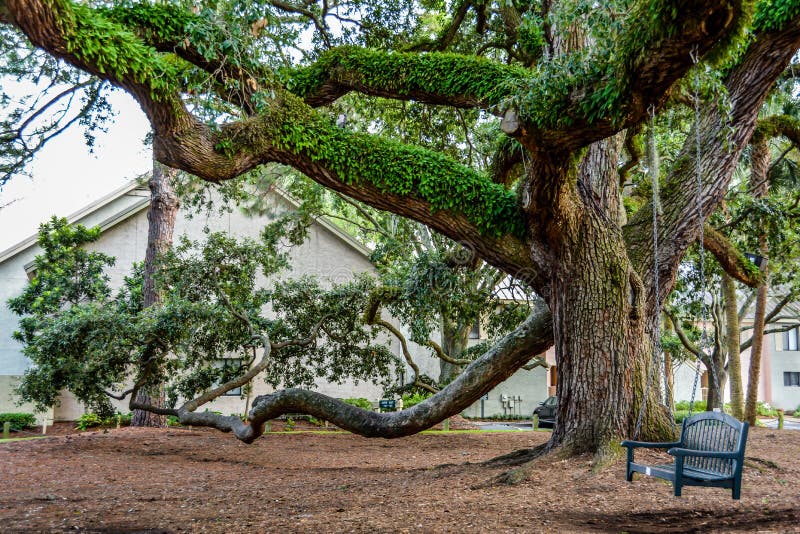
column 161, row 226
column 732, row 342
column 716, row 383
column 600, row 322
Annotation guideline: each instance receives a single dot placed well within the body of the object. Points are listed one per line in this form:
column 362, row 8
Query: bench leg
column 677, row 488
column 736, row 491
column 629, row 477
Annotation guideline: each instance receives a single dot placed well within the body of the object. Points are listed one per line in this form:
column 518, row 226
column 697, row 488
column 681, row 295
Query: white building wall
column 782, row 361
column 524, row 389
column 683, row 375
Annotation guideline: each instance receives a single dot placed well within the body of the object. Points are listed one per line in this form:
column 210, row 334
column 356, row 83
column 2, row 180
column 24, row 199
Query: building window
column 475, row 333
column 791, row 378
column 231, row 368
column 790, row 339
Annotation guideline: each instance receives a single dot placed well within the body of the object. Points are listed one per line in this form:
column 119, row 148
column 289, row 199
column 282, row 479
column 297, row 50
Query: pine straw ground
column 191, row 480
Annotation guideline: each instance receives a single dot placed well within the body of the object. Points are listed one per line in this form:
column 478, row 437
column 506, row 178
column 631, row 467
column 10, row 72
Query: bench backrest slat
column 712, row 431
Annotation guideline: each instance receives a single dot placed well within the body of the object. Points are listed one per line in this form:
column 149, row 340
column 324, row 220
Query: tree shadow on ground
column 682, row 520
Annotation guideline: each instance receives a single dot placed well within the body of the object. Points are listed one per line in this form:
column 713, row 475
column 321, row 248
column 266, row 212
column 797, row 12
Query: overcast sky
column 66, row 177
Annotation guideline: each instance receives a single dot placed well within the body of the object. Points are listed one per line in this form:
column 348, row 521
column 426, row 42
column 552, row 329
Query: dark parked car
column 547, row 411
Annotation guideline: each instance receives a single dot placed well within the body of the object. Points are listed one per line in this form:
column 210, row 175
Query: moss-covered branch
column 434, row 78
column 730, row 258
column 777, row 126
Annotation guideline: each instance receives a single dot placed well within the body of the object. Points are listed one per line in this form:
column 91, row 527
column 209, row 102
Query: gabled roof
column 80, row 215
column 138, row 188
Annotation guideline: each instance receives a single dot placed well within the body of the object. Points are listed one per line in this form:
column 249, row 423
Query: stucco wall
column 528, row 389
column 784, row 397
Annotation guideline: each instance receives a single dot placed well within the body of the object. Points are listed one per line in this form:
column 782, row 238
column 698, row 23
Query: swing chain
column 701, row 248
column 655, row 362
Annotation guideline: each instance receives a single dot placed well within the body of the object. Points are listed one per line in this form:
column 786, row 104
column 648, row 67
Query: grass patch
column 9, row 440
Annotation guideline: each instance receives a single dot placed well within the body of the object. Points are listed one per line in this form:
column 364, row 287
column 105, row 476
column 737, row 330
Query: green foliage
column 765, row 410
column 290, row 424
column 93, row 344
column 699, row 406
column 448, row 75
column 88, row 420
column 390, row 167
column 531, row 34
column 116, row 51
column 359, row 402
column 172, row 420
column 91, row 420
column 772, row 15
column 18, row 420
column 413, row 400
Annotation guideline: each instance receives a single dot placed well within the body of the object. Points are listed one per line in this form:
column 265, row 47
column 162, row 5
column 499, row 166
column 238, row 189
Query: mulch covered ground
column 190, row 480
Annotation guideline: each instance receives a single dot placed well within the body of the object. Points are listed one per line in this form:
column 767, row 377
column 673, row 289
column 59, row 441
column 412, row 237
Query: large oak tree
column 567, row 88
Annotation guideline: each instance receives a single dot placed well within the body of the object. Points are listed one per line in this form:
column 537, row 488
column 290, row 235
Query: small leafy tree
column 212, row 309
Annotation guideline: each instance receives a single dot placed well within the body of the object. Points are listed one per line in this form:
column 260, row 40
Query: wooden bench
column 709, row 453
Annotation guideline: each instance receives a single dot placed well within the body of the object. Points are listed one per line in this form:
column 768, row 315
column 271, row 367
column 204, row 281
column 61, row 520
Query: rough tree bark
column 161, row 215
column 455, row 339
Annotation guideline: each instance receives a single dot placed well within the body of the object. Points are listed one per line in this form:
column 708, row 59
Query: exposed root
column 606, row 456
column 752, row 461
column 525, row 461
column 517, row 457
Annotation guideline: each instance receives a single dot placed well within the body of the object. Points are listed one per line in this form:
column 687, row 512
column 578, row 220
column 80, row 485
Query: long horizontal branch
column 480, row 377
column 433, row 78
column 534, row 335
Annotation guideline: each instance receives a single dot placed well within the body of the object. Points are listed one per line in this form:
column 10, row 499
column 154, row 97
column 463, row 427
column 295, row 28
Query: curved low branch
column 535, row 335
column 730, row 258
column 442, row 355
column 511, row 353
column 688, row 345
column 376, row 320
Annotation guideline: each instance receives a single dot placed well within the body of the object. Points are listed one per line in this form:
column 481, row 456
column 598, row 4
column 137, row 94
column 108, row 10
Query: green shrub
column 91, row 420
column 88, row 420
column 765, row 410
column 412, row 400
column 680, row 415
column 172, row 420
column 699, row 406
column 360, row 402
column 123, row 419
column 289, row 425
column 19, row 421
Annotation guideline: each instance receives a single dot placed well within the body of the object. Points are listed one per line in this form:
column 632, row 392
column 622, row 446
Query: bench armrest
column 648, row 445
column 703, row 454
